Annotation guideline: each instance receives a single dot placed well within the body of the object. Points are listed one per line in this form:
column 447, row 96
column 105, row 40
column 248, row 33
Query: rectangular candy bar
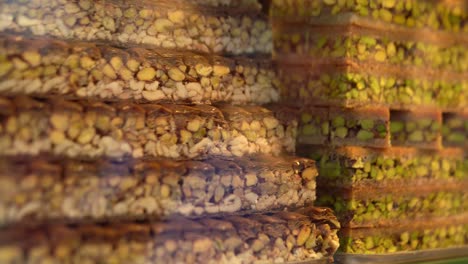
column 358, row 83
column 420, row 129
column 272, row 238
column 455, row 129
column 180, row 25
column 360, row 126
column 88, row 129
column 455, row 254
column 378, row 205
column 427, row 234
column 314, row 125
column 44, row 66
column 347, row 166
column 449, row 16
column 350, row 42
column 72, row 190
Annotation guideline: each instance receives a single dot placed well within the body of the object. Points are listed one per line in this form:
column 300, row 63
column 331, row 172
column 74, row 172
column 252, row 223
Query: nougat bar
column 360, row 126
column 376, row 205
column 269, row 238
column 44, row 66
column 449, row 16
column 443, row 232
column 420, row 129
column 94, row 129
column 314, row 125
column 298, row 44
column 455, row 129
column 358, row 83
column 73, row 190
column 181, row 25
column 346, row 166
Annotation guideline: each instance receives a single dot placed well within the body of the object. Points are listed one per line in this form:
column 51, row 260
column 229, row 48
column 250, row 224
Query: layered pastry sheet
column 44, row 66
column 73, row 190
column 435, row 15
column 168, row 24
column 435, row 233
column 274, row 238
column 91, row 129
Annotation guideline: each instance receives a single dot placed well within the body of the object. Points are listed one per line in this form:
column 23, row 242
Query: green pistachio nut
column 410, row 126
column 380, row 56
column 365, row 135
column 368, row 41
column 456, row 138
column 306, row 118
column 424, row 122
column 388, row 3
column 396, row 126
column 385, row 15
column 309, row 130
column 325, row 128
column 338, row 121
column 341, row 132
column 416, row 136
column 369, row 243
column 367, row 124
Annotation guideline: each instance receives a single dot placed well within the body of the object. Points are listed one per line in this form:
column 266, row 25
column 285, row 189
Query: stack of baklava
column 381, row 89
column 131, row 132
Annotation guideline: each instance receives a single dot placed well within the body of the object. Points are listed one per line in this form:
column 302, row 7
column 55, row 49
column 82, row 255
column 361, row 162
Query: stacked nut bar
column 266, row 238
column 134, row 131
column 380, row 88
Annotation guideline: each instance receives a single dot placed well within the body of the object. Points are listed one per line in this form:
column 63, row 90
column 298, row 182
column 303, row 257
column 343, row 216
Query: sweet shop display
column 149, row 132
column 401, row 54
column 233, row 131
column 380, row 92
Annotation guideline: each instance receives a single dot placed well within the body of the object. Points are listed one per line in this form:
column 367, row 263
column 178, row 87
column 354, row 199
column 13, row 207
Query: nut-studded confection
column 362, row 126
column 349, row 165
column 387, row 204
column 420, row 129
column 180, row 25
column 44, row 66
column 442, row 232
column 455, row 129
column 89, row 129
column 350, row 42
column 448, row 16
column 274, row 238
column 358, row 83
column 364, row 45
column 73, row 190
